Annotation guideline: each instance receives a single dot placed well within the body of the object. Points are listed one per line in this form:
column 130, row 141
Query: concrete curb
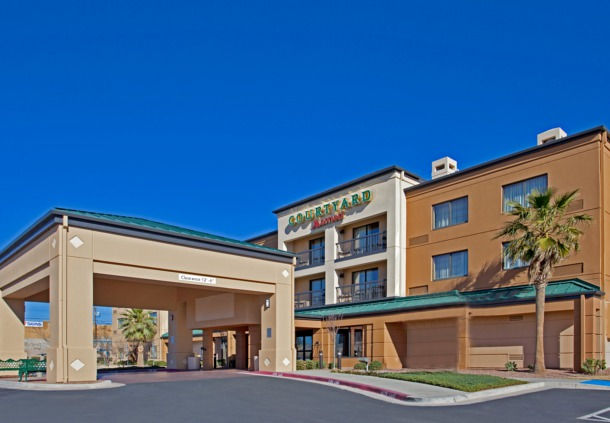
column 364, row 387
column 487, row 394
column 42, row 386
column 401, row 396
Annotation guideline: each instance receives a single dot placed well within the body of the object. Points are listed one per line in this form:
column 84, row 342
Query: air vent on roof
column 444, row 166
column 550, row 135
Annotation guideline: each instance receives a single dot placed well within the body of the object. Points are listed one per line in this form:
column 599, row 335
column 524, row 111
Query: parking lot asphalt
column 259, row 399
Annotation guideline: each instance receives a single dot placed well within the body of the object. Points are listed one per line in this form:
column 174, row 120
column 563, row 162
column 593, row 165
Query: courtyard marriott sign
column 330, row 212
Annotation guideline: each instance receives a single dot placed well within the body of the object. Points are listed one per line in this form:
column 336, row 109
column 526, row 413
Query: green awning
column 196, row 332
column 521, row 293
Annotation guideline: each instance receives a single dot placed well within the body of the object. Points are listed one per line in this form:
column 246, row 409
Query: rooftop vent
column 550, row 135
column 444, row 166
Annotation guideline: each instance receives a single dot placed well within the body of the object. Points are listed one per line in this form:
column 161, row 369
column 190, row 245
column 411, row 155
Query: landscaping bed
column 447, row 379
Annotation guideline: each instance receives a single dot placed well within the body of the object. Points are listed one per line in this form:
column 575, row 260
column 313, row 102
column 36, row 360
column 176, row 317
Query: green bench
column 24, row 366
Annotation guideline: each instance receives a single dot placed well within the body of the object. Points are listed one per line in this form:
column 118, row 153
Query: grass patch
column 459, row 381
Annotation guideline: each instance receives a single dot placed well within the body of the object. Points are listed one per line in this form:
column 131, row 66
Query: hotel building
column 414, row 273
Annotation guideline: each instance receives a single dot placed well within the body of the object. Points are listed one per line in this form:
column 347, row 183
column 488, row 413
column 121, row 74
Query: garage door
column 432, row 344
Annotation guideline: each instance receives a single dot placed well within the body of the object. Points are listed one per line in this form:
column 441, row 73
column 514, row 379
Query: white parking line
column 597, row 416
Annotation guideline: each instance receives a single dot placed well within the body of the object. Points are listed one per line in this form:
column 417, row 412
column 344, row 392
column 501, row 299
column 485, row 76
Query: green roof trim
column 196, row 332
column 520, row 293
column 159, row 226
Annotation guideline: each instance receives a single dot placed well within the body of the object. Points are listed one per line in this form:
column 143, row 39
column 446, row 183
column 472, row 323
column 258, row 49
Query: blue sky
column 211, row 114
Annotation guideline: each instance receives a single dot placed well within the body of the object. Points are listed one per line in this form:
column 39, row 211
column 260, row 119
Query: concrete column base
column 71, row 365
column 178, row 360
column 277, row 360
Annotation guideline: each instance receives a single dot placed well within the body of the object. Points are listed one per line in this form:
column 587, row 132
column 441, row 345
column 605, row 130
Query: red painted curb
column 362, row 386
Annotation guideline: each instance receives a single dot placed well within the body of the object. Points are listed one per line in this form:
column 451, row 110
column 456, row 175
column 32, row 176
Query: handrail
column 307, row 299
column 362, row 245
column 363, row 291
column 312, row 257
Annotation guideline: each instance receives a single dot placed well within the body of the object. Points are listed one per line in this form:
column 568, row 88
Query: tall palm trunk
column 540, row 297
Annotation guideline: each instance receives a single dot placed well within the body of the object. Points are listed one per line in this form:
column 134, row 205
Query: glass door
column 304, row 345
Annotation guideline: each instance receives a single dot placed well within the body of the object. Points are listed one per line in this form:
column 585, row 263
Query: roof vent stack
column 444, row 166
column 551, row 135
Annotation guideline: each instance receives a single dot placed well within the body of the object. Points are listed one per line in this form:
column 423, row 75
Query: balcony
column 309, row 258
column 364, row 291
column 361, row 246
column 309, row 299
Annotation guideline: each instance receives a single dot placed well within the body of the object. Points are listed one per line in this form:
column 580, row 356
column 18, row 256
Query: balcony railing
column 313, row 257
column 309, row 299
column 363, row 291
column 363, row 245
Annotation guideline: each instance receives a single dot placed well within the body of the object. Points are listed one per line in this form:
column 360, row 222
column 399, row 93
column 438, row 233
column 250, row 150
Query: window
column 350, row 342
column 316, row 247
column 342, row 345
column 363, row 276
column 450, row 213
column 507, row 263
column 519, row 191
column 450, row 265
column 358, row 343
column 317, row 288
column 362, row 231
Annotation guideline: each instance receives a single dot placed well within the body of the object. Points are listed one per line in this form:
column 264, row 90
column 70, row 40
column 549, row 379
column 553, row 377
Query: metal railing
column 363, row 291
column 367, row 244
column 309, row 299
column 313, row 257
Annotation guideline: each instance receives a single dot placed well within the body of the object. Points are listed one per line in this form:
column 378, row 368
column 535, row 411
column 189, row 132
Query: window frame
column 434, row 228
column 522, row 181
column 450, row 265
column 365, row 272
column 504, row 260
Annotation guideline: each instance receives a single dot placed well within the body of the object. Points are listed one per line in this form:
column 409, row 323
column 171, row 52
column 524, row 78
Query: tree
column 332, row 323
column 138, row 327
column 542, row 234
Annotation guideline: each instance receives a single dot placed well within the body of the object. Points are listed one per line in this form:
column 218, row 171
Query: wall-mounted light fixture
column 267, row 303
column 341, row 275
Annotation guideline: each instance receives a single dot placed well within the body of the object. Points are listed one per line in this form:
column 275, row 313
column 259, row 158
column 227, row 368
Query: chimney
column 551, row 135
column 444, row 166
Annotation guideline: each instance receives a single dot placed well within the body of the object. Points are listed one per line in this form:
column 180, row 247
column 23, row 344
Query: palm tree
column 138, row 327
column 542, row 234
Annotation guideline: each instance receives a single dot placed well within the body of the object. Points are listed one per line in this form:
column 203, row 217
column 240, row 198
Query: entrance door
column 304, row 345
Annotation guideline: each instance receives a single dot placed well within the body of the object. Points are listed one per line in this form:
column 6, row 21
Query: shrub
column 591, row 366
column 320, row 367
column 310, row 364
column 300, row 364
column 360, row 366
column 510, row 366
column 375, row 365
column 331, row 366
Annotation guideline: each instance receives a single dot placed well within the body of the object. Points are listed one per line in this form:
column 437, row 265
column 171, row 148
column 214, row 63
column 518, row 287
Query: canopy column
column 254, row 345
column 71, row 356
column 277, row 326
column 180, row 345
column 11, row 328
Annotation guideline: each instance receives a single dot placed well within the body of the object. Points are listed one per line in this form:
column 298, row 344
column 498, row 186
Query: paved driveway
column 246, row 398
